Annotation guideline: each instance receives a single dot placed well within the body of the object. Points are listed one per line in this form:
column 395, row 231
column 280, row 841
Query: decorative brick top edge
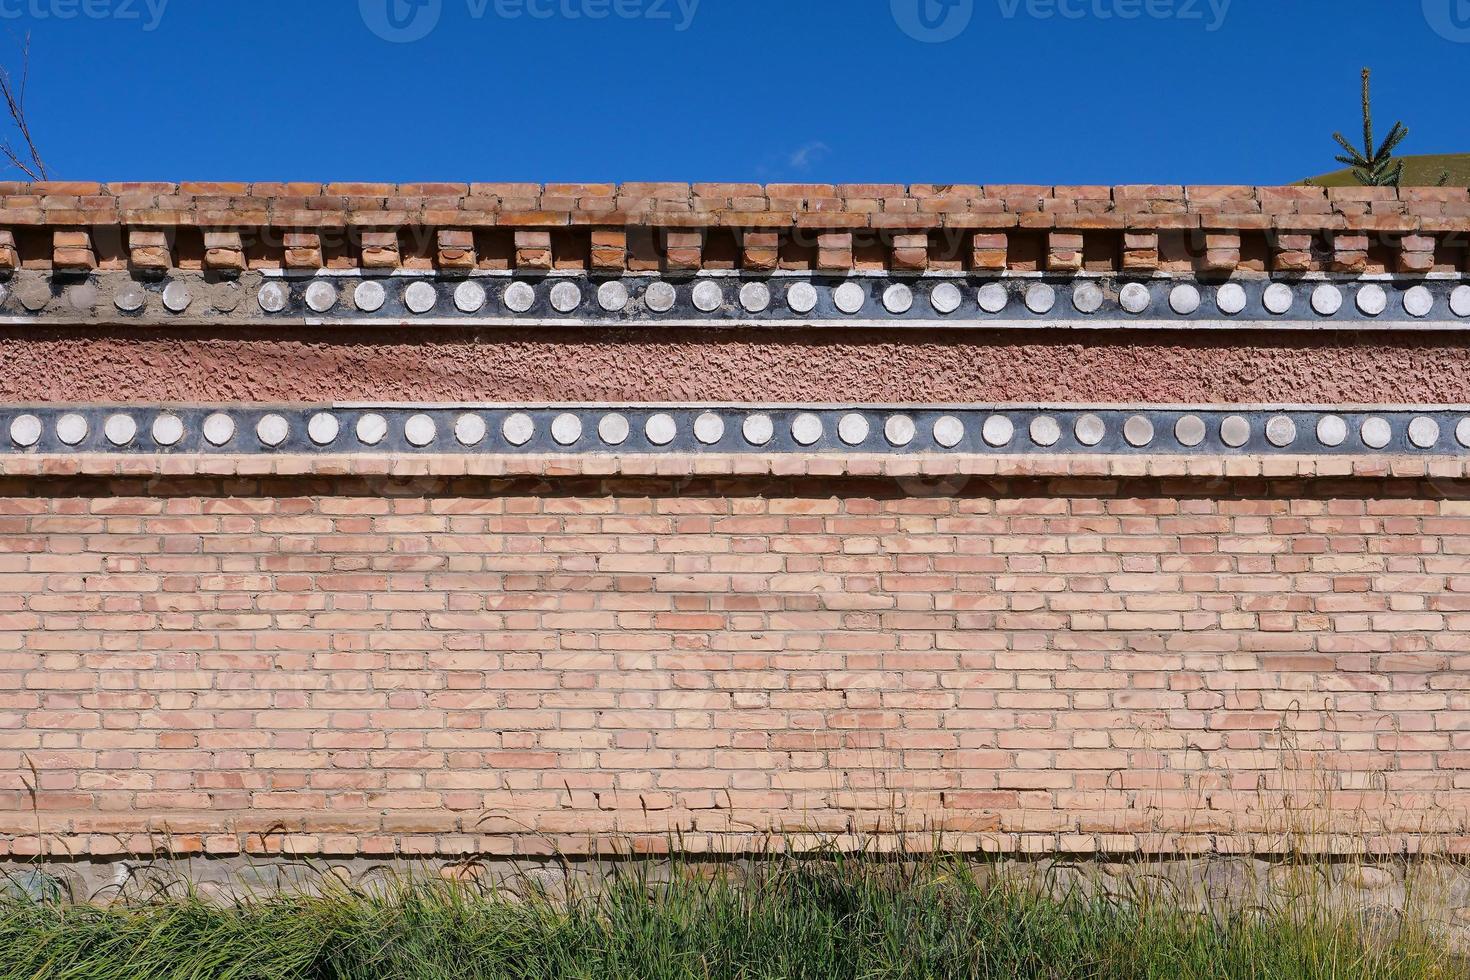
column 681, row 227
column 936, row 468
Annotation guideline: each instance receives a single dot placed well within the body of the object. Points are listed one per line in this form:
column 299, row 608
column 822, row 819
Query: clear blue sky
column 1034, row 91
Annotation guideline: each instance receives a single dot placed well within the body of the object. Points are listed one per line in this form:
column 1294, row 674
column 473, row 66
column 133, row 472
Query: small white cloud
column 807, row 155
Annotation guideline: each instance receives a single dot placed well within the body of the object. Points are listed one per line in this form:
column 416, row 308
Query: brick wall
column 435, row 664
column 80, row 226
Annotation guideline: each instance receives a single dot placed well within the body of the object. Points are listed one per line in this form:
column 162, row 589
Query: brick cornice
column 1056, row 228
column 685, row 465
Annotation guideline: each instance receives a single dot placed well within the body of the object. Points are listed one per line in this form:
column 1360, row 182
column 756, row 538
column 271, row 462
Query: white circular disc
column 1087, row 297
column 949, row 431
column 898, row 299
column 372, row 429
column 120, row 429
column 998, row 431
column 661, row 429
column 1235, row 431
column 565, row 297
column 369, row 296
column 1040, row 298
column 755, row 297
column 1230, row 298
column 612, row 296
column 758, row 429
column 1424, row 433
column 566, row 429
column 708, row 296
column 1184, row 299
column 518, row 429
column 1190, row 430
column 168, row 430
column 709, row 428
column 1045, row 431
column 1278, row 298
column 470, row 430
column 1135, row 297
column 853, row 429
column 1139, row 431
column 802, row 297
column 614, row 429
column 323, row 428
column 321, row 296
column 1418, row 301
column 177, row 297
column 1331, row 431
column 1281, row 431
column 420, row 297
column 660, row 297
column 1377, row 433
column 993, row 297
column 519, row 297
column 469, row 297
column 900, row 430
column 1462, row 433
column 1090, row 430
column 133, row 297
column 420, row 431
column 1372, row 300
column 25, row 430
column 946, row 298
column 272, row 297
column 272, row 430
column 219, row 429
column 806, row 429
column 849, row 297
column 1460, row 301
column 1326, row 299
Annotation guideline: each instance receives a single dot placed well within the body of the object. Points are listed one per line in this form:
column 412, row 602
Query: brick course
column 826, row 226
column 1078, row 655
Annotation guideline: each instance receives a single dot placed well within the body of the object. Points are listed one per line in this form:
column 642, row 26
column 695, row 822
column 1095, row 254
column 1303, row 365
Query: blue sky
column 1033, row 91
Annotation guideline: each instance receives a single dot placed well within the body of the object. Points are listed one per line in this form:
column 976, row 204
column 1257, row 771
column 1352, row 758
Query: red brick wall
column 448, row 665
column 82, row 225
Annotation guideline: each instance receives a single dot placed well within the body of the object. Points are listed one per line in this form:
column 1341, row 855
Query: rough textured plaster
column 236, row 363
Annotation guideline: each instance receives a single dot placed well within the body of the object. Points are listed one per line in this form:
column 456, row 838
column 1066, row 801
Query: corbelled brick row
column 357, row 665
column 458, row 226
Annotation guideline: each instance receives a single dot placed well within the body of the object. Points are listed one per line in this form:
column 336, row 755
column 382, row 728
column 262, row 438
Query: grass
column 1419, row 171
column 863, row 918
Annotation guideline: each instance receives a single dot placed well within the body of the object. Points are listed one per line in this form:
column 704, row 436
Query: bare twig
column 29, row 162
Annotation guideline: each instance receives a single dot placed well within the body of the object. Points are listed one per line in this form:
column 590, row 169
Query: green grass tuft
column 784, row 919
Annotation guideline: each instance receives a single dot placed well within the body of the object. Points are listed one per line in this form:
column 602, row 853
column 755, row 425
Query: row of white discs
column 1230, row 299
column 850, row 297
column 757, row 429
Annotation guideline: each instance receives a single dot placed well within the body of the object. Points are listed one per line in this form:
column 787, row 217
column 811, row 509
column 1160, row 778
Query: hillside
column 1419, row 171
